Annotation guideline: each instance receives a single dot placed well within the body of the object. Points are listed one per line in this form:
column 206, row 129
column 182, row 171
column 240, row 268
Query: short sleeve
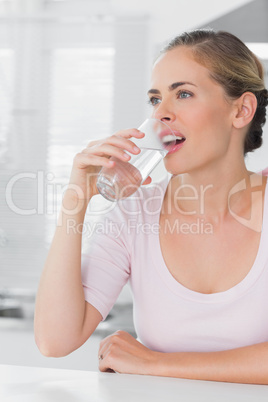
column 265, row 172
column 105, row 257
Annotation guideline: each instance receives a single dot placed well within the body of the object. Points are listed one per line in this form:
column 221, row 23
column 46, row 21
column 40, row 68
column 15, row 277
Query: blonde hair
column 234, row 67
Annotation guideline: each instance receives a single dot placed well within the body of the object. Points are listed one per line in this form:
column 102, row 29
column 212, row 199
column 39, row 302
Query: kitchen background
column 72, row 71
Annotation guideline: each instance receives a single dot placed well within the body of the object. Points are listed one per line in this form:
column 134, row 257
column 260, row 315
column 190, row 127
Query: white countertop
column 35, row 384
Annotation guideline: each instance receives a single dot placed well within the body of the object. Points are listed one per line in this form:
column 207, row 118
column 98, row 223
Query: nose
column 164, row 112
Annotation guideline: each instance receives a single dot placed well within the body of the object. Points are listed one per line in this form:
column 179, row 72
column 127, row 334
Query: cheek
column 211, row 127
column 204, row 120
column 208, row 131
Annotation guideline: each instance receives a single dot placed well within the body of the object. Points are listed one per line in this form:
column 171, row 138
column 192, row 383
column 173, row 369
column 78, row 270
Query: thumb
column 147, row 181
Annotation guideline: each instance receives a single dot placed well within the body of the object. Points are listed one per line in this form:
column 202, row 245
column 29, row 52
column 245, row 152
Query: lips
column 179, row 144
column 168, row 140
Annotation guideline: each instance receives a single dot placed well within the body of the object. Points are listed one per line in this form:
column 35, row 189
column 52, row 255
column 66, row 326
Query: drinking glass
column 123, row 179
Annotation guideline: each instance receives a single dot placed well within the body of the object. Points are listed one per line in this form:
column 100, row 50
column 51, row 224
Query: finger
column 131, row 132
column 104, row 345
column 120, row 139
column 104, row 368
column 83, row 160
column 109, row 370
column 105, row 363
column 121, row 144
column 147, row 181
column 107, row 151
column 108, row 343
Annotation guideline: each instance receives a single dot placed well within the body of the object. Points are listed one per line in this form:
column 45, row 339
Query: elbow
column 50, row 349
column 48, row 343
column 46, row 351
column 55, row 343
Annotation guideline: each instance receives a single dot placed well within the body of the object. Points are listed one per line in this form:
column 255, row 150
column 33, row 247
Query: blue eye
column 154, row 101
column 183, row 94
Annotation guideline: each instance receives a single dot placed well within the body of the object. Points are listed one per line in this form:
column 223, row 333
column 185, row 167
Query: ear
column 246, row 106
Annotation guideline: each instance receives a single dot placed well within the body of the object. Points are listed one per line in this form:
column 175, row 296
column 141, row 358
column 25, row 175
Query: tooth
column 168, row 138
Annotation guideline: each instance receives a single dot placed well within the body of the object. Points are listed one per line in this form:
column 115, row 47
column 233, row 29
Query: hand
column 88, row 162
column 122, row 353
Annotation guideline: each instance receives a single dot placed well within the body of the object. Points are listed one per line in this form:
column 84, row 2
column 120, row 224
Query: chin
column 177, row 172
column 175, row 169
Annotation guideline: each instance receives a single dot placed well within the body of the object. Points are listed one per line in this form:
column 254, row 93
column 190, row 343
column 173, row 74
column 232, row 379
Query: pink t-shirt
column 122, row 244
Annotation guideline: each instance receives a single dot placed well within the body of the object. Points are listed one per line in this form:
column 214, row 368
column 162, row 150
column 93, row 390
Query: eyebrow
column 171, row 87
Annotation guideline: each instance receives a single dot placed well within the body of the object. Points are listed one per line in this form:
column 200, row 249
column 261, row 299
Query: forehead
column 178, row 65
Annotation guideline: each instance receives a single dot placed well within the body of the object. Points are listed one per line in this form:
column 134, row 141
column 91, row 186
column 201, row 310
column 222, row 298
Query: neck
column 208, row 191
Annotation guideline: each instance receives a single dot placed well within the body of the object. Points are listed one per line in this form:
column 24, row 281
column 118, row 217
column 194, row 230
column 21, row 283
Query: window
column 63, row 82
column 6, row 98
column 80, row 109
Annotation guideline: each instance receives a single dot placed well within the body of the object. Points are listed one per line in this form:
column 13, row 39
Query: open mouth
column 179, row 140
column 168, row 141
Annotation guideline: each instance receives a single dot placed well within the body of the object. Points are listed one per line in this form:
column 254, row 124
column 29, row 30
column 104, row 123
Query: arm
column 247, row 364
column 122, row 353
column 63, row 319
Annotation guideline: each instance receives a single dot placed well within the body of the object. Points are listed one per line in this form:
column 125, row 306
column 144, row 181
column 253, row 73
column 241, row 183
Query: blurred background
column 72, row 71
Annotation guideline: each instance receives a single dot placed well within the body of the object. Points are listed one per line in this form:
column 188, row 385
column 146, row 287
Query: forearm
column 60, row 302
column 243, row 365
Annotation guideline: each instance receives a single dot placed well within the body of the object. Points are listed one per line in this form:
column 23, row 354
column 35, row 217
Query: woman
column 192, row 246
